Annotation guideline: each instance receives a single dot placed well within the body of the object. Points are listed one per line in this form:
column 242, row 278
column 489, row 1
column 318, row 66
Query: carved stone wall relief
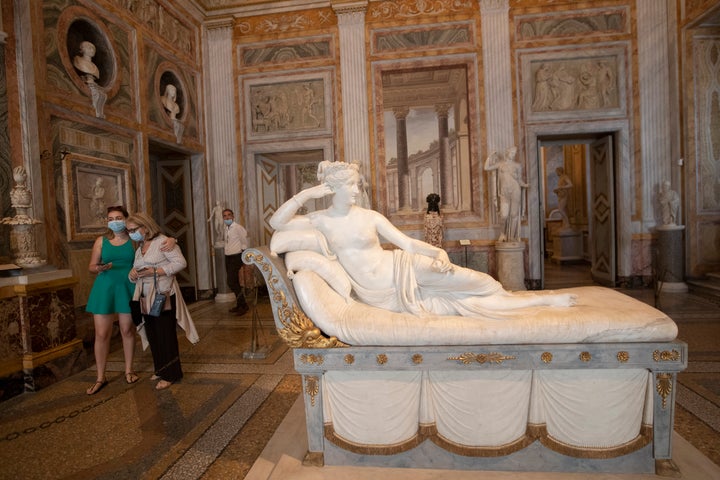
column 570, row 84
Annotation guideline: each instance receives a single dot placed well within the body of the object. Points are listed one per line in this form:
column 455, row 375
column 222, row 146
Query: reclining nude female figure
column 416, row 277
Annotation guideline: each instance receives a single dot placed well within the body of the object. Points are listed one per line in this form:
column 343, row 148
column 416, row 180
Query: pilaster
column 356, row 130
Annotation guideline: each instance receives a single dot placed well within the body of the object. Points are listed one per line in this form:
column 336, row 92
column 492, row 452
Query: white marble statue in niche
column 169, row 103
column 84, row 62
column 90, row 74
column 669, row 204
column 416, row 277
column 507, row 190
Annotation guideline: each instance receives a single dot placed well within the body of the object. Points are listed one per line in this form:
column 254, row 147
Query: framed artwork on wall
column 91, row 185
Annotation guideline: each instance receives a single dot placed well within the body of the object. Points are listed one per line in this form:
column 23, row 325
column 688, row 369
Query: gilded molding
column 492, row 357
column 312, row 359
column 585, row 356
column 382, row 359
column 298, row 331
column 533, row 432
column 664, row 387
column 312, row 388
column 417, row 359
column 546, row 357
column 666, row 356
column 622, row 356
column 349, row 358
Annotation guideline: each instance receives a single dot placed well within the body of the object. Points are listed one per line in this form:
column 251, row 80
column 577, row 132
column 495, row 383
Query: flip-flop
column 96, row 387
column 131, row 377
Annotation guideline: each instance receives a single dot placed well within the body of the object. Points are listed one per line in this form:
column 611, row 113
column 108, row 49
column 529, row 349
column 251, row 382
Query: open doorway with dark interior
column 577, row 197
column 172, row 204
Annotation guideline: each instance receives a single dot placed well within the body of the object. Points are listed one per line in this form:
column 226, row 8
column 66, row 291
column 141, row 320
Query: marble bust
column 83, row 62
column 169, row 101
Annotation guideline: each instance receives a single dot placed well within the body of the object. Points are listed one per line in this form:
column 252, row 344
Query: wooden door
column 175, row 212
column 602, row 218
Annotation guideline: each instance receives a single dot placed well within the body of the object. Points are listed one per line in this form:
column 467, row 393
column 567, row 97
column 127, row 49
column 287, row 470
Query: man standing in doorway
column 235, row 242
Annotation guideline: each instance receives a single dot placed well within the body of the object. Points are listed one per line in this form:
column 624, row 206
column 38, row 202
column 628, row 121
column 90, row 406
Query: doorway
column 173, row 207
column 576, row 184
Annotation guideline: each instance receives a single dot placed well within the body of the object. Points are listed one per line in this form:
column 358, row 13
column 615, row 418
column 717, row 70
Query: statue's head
column 433, row 201
column 171, row 91
column 87, row 49
column 337, row 174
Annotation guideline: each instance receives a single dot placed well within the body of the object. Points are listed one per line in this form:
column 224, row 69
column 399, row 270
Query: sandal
column 131, row 377
column 162, row 385
column 96, row 387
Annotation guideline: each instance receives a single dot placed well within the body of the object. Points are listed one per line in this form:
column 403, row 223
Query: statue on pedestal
column 669, row 204
column 218, row 226
column 507, row 190
column 22, row 233
column 433, row 221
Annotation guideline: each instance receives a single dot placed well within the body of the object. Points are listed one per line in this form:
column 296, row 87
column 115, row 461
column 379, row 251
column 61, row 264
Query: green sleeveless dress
column 112, row 291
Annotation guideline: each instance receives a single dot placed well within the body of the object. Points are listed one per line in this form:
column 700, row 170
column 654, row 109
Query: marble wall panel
column 599, row 22
column 286, row 53
column 50, row 319
column 163, row 23
column 6, row 177
column 408, row 39
column 10, row 331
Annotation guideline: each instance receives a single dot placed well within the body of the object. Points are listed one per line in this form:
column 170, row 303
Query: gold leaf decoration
column 298, row 331
column 382, row 359
column 623, row 356
column 585, row 356
column 664, row 387
column 417, row 359
column 312, row 388
column 492, row 357
column 665, row 356
column 349, row 358
column 546, row 357
column 312, row 359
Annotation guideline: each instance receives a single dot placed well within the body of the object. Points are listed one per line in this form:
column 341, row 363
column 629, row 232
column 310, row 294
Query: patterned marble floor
column 222, row 418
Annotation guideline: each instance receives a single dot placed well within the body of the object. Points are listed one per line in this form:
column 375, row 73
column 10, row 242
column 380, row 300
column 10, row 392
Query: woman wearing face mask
column 111, row 259
column 153, row 272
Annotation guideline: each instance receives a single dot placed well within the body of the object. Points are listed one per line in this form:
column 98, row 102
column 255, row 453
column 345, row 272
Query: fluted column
column 356, row 136
column 403, row 179
column 222, row 159
column 497, row 74
column 445, row 167
column 654, row 88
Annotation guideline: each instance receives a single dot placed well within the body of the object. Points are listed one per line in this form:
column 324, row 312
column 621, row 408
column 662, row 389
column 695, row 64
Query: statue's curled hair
column 336, row 173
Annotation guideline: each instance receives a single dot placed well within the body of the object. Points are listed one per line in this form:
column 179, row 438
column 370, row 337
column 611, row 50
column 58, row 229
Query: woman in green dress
column 111, row 259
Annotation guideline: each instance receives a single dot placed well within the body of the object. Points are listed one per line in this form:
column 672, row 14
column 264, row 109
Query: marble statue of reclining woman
column 416, row 277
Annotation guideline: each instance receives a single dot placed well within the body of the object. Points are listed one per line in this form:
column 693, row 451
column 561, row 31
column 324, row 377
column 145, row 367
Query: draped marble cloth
column 479, row 411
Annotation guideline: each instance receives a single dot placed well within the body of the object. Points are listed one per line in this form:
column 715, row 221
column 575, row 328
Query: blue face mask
column 228, row 222
column 116, row 225
column 137, row 236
